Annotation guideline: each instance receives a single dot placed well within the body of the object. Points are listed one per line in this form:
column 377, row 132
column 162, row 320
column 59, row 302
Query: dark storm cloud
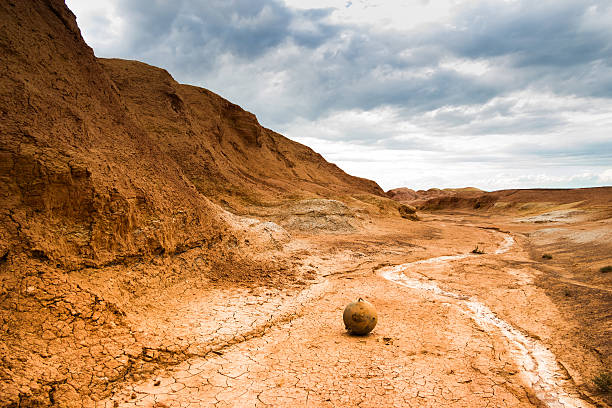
column 592, row 152
column 545, row 33
column 559, row 47
column 548, row 44
column 245, row 28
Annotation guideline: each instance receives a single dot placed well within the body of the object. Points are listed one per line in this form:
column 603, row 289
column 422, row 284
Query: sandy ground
column 455, row 328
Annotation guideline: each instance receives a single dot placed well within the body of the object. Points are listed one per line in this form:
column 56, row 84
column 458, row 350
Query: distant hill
column 409, row 196
column 501, row 200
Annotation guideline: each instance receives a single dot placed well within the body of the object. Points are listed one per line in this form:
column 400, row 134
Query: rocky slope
column 415, row 197
column 114, row 158
column 221, row 148
column 110, row 178
column 514, row 200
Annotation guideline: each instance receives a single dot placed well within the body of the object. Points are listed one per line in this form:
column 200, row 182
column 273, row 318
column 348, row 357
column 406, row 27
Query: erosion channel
column 455, row 329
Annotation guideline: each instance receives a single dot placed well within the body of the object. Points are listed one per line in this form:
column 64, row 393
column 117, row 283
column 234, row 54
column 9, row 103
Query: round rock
column 360, row 317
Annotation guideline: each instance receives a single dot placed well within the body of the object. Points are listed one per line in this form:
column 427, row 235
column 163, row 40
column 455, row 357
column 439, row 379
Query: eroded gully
column 538, row 366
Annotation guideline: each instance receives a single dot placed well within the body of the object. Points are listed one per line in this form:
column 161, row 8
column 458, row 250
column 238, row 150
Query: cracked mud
column 537, row 366
column 458, row 330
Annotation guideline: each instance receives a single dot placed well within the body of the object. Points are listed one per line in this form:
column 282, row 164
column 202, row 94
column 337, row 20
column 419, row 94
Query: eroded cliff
column 110, row 178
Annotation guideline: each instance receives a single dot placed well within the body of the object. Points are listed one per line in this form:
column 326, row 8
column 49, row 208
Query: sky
column 416, row 93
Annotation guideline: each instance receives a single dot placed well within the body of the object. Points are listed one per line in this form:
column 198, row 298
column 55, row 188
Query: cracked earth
column 455, row 329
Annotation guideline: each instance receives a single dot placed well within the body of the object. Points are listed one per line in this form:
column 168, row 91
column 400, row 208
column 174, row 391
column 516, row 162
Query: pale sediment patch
column 522, row 278
column 537, row 364
column 506, row 245
column 563, row 216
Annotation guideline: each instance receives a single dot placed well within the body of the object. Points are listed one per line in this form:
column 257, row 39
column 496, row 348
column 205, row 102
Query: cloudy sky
column 418, row 93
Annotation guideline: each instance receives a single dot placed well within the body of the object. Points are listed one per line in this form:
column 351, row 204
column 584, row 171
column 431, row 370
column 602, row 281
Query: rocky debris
column 318, row 215
column 265, row 233
column 408, row 212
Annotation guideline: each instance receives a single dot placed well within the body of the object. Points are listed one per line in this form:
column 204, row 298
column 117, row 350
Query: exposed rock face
column 519, row 200
column 115, row 159
column 82, row 183
column 319, row 215
column 106, row 170
column 220, row 147
column 408, row 212
column 402, row 194
column 416, row 198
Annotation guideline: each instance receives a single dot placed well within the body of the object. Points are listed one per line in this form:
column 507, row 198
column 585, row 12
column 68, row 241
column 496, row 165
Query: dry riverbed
column 455, row 328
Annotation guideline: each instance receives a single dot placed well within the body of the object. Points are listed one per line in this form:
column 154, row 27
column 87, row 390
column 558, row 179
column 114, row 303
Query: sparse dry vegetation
column 606, row 269
column 603, row 381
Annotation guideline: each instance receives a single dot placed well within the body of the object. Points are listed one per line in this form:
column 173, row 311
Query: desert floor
column 502, row 328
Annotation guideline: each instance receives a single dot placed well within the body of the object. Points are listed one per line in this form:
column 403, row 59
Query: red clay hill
column 110, row 165
column 515, row 200
column 107, row 158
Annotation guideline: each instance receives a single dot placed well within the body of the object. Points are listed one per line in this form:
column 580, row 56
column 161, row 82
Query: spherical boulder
column 360, row 317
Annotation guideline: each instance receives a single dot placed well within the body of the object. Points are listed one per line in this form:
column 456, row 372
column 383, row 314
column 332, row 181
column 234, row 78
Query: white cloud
column 476, row 67
column 100, row 22
column 606, row 176
column 399, row 15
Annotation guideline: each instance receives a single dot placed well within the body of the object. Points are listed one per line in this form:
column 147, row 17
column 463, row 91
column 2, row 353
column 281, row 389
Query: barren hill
column 521, row 200
column 97, row 153
column 220, row 147
column 410, row 196
column 111, row 175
